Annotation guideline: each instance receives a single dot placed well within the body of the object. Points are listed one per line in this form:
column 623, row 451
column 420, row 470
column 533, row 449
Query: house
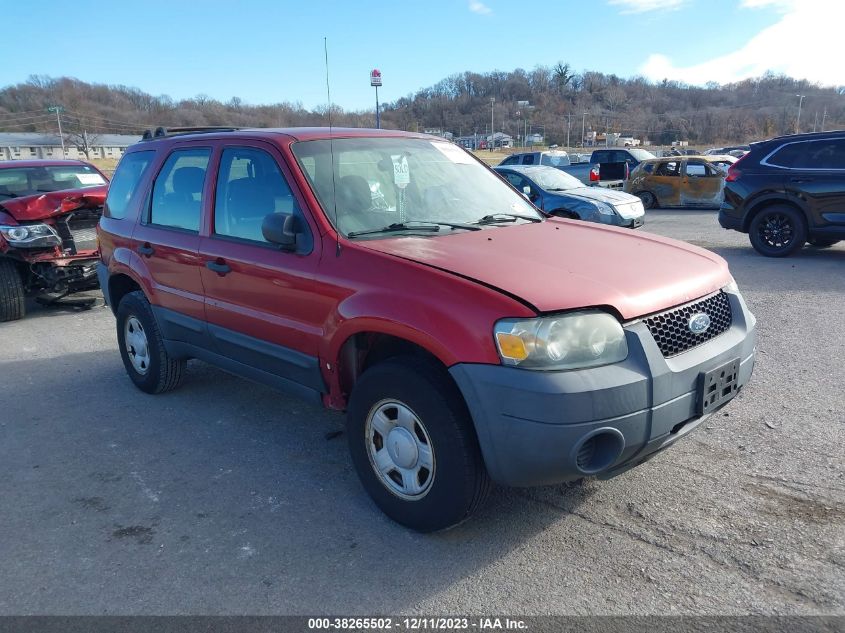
column 500, row 139
column 29, row 145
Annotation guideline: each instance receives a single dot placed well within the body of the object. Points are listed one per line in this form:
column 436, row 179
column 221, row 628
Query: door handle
column 218, row 266
column 146, row 249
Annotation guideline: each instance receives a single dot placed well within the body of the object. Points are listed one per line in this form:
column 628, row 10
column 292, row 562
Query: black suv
column 787, row 191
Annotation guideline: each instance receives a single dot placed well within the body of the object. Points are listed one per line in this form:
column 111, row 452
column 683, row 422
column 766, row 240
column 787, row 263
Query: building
column 500, row 139
column 29, row 145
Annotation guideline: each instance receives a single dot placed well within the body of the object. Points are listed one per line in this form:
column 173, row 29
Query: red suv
column 468, row 336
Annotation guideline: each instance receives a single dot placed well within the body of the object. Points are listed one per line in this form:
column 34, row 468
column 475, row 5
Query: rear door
column 261, row 308
column 167, row 241
column 701, row 185
column 815, row 178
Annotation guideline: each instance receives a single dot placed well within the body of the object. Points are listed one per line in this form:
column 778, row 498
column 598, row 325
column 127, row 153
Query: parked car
column 563, row 195
column 553, row 158
column 48, row 216
column 682, row 181
column 787, row 191
column 469, row 337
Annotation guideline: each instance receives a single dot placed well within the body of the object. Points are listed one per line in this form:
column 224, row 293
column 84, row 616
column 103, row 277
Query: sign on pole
column 375, row 77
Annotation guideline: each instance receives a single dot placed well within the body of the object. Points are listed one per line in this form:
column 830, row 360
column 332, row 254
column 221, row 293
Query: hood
column 565, row 264
column 40, row 206
column 610, row 196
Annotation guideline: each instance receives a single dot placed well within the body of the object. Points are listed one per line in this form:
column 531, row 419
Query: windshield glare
column 641, row 154
column 554, row 179
column 382, row 181
column 26, row 181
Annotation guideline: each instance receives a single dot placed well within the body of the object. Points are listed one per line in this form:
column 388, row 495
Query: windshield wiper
column 494, row 218
column 415, row 225
column 8, row 194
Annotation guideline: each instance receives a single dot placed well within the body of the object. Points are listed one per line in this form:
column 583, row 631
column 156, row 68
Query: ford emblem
column 699, row 323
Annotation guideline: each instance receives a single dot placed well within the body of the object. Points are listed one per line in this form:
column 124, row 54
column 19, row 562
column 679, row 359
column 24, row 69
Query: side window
column 250, row 186
column 511, row 160
column 177, row 191
column 824, row 155
column 124, row 182
column 648, row 168
column 787, row 155
column 516, row 181
column 667, row 169
column 697, row 170
column 528, row 159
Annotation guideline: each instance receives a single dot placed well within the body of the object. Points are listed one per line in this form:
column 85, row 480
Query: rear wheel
column 778, row 231
column 12, row 298
column 142, row 347
column 820, row 243
column 413, row 444
column 648, row 198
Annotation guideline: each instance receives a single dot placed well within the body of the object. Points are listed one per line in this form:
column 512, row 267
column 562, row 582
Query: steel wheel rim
column 647, row 199
column 137, row 346
column 399, row 449
column 776, row 230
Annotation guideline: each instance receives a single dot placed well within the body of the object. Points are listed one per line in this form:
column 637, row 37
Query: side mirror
column 280, row 229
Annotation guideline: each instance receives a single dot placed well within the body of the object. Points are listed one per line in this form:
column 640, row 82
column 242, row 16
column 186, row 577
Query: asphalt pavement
column 225, row 497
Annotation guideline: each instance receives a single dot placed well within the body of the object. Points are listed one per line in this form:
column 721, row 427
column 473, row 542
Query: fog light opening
column 598, row 451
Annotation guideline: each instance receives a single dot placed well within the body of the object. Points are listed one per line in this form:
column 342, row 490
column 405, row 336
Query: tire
column 778, row 231
column 820, row 243
column 12, row 297
column 152, row 371
column 563, row 213
column 415, row 401
column 648, row 198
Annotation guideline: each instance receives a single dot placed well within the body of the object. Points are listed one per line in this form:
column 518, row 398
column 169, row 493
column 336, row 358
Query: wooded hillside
column 461, row 104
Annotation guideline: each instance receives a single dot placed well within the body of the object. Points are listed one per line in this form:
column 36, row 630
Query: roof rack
column 163, row 132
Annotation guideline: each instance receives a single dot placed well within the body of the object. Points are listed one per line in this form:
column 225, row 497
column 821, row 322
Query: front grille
column 671, row 329
column 79, row 230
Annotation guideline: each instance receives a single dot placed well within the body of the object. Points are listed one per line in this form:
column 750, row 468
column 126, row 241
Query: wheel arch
column 761, row 205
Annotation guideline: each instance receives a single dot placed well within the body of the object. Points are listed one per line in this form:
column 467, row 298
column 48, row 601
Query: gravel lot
column 225, row 497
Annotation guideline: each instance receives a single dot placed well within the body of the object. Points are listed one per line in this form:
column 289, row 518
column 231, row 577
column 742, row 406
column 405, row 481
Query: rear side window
column 823, row 154
column 528, row 159
column 511, row 160
column 177, row 191
column 250, row 186
column 124, row 183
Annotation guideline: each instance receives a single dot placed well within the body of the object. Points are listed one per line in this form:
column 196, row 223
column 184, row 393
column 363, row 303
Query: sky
column 266, row 51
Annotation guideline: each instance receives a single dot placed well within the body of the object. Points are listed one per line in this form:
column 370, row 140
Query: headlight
column 568, row 341
column 605, row 209
column 30, row 235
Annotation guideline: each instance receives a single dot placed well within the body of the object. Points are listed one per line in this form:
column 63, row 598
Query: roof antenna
column 331, row 148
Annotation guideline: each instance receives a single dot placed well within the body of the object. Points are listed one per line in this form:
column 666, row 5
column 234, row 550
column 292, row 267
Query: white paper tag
column 453, row 153
column 401, row 172
column 90, row 179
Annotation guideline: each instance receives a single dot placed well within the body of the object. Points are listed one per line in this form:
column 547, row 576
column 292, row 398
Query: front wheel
column 413, row 445
column 778, row 231
column 142, row 347
column 12, row 297
column 648, row 198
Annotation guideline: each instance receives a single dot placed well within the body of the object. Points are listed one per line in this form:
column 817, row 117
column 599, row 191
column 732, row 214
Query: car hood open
column 40, row 206
column 564, row 264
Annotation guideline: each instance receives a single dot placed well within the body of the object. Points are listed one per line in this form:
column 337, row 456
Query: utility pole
column 58, row 110
column 824, row 116
column 568, row 129
column 583, row 130
column 492, row 138
column 798, row 120
column 815, row 120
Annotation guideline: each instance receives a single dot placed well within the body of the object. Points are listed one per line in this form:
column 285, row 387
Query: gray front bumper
column 530, row 423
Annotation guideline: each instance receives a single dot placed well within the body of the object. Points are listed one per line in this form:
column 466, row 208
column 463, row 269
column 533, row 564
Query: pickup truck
column 594, row 175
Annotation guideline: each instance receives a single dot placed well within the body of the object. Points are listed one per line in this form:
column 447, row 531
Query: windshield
column 378, row 182
column 26, row 181
column 555, row 180
column 641, row 154
column 558, row 159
